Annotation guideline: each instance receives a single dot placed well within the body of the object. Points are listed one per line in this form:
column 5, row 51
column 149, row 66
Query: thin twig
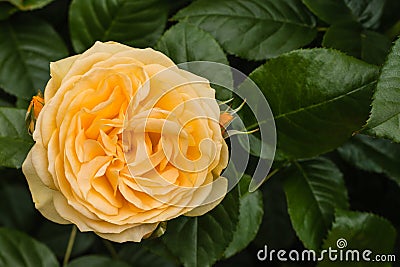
column 70, row 245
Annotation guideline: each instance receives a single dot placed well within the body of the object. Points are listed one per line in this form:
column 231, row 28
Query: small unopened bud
column 226, row 118
column 33, row 111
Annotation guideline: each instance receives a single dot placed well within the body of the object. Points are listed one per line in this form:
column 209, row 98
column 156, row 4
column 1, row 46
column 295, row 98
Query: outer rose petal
column 58, row 70
column 98, row 226
column 219, row 185
column 41, row 194
column 135, row 234
column 101, row 51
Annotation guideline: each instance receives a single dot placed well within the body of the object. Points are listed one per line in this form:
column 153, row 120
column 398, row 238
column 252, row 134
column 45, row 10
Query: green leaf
column 6, row 10
column 201, row 241
column 366, row 12
column 13, row 151
column 361, row 231
column 317, row 102
column 390, row 18
column 27, row 45
column 29, row 4
column 5, row 103
column 185, row 42
column 96, row 261
column 253, row 29
column 56, row 237
column 313, row 190
column 250, row 217
column 276, row 229
column 385, row 114
column 13, row 123
column 157, row 247
column 14, row 139
column 351, row 38
column 140, row 256
column 137, row 23
column 16, row 214
column 389, row 129
column 373, row 155
column 18, row 249
column 22, row 103
column 331, row 11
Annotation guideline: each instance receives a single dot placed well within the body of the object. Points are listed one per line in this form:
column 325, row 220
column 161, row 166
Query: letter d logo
column 262, row 253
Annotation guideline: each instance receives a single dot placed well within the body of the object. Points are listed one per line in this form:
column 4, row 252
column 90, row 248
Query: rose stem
column 70, row 245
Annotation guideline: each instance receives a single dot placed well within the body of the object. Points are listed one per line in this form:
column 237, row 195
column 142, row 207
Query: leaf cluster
column 330, row 71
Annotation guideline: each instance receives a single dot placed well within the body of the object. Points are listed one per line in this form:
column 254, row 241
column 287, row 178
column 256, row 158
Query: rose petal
column 41, row 194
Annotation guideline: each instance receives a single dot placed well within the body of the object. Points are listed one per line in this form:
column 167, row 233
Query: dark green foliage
column 330, row 71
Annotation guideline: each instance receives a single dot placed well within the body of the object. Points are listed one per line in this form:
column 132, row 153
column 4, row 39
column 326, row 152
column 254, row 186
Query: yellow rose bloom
column 125, row 140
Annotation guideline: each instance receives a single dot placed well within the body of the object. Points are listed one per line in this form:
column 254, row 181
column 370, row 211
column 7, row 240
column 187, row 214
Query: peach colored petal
column 218, row 191
column 58, row 70
column 135, row 234
column 41, row 194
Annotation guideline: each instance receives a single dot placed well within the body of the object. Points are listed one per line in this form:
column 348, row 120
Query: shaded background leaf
column 5, row 103
column 136, row 23
column 27, row 46
column 366, row 12
column 16, row 207
column 330, row 11
column 276, row 229
column 253, row 29
column 351, row 38
column 18, row 249
column 313, row 190
column 184, row 42
column 373, row 155
column 201, row 241
column 390, row 21
column 56, row 237
column 361, row 231
column 14, row 139
column 139, row 255
column 250, row 216
column 26, row 5
column 6, row 10
column 96, row 261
